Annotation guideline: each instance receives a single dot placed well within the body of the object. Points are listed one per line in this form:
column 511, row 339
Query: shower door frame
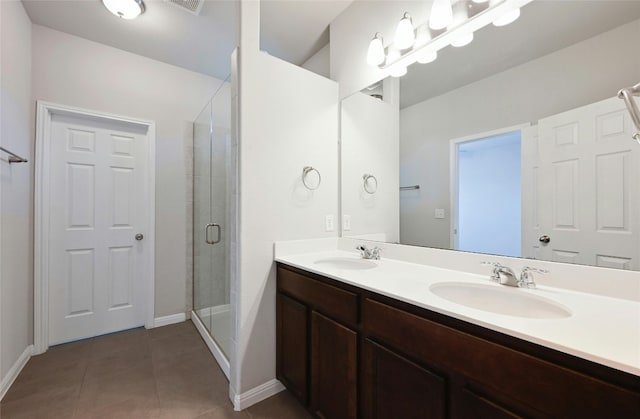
column 207, row 335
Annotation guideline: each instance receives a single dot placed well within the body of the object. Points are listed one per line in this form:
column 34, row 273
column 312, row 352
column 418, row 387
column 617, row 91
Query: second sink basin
column 346, row 263
column 500, row 300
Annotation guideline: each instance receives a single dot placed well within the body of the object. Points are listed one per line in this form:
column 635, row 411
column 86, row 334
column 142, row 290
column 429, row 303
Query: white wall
column 319, row 62
column 288, row 120
column 583, row 73
column 370, row 144
column 73, row 71
column 16, row 186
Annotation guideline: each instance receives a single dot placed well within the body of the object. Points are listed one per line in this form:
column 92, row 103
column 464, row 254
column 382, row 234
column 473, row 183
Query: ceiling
column 292, row 30
column 545, row 26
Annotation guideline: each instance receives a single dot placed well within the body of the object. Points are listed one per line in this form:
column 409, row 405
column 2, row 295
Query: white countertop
column 601, row 329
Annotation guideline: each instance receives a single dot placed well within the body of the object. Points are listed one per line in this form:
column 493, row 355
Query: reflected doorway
column 487, row 196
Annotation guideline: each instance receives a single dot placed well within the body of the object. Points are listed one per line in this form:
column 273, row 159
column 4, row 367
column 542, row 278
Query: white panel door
column 588, row 205
column 98, row 175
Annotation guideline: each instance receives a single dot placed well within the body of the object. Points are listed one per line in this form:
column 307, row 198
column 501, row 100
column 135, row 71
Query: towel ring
column 368, row 187
column 309, row 185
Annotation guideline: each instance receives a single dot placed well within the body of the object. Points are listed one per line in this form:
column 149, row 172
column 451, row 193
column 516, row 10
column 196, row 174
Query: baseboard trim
column 171, row 319
column 215, row 350
column 256, row 394
column 209, row 311
column 13, row 372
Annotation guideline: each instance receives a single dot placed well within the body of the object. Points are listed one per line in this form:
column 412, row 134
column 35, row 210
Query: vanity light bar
column 472, row 24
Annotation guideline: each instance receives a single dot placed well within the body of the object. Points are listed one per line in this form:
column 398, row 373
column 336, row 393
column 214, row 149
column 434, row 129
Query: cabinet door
column 394, row 387
column 334, row 364
column 472, row 405
column 291, row 354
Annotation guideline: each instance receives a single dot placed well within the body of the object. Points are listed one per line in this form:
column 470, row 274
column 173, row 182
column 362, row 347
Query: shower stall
column 213, row 177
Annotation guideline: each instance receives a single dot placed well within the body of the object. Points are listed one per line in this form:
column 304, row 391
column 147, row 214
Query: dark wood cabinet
column 333, row 368
column 394, row 387
column 317, row 344
column 292, row 347
column 350, row 353
column 473, row 405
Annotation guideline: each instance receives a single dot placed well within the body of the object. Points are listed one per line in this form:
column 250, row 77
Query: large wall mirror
column 515, row 144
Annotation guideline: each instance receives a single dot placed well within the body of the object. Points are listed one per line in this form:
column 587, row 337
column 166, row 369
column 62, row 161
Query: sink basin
column 346, row 263
column 501, row 300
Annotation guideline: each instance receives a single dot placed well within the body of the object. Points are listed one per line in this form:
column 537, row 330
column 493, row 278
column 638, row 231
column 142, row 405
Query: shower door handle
column 206, row 233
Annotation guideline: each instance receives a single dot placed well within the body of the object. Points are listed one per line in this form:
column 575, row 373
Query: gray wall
column 73, row 71
column 16, row 190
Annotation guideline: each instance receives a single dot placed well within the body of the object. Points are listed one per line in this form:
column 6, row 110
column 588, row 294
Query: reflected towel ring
column 370, row 183
column 309, row 183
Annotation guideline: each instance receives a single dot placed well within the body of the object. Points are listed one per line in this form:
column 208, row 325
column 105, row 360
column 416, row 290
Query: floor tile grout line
column 84, row 375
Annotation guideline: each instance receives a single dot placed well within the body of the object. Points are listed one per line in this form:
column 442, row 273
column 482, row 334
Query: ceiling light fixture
column 441, row 14
column 418, row 45
column 510, row 15
column 396, row 70
column 461, row 15
column 405, row 37
column 507, row 18
column 126, row 9
column 375, row 53
column 427, row 57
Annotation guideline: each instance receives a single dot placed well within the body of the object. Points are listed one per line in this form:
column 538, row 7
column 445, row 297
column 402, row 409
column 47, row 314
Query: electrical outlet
column 346, row 222
column 439, row 213
column 328, row 222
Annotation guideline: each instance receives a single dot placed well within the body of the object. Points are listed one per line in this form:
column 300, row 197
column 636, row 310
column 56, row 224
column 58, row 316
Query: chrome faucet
column 505, row 275
column 368, row 253
column 502, row 274
column 526, row 277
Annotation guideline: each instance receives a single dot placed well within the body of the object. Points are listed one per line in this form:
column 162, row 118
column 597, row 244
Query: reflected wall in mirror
column 513, row 145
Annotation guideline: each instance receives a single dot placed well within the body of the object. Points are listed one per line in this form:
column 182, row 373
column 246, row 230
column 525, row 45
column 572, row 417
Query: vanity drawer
column 510, row 375
column 337, row 303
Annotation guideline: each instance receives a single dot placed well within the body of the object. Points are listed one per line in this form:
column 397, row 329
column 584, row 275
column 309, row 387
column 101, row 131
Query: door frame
column 453, row 174
column 44, row 114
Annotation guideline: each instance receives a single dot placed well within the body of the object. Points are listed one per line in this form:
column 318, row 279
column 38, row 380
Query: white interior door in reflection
column 587, row 203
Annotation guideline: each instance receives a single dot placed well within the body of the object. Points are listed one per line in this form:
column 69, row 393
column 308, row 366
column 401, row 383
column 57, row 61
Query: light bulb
column 427, row 57
column 397, row 71
column 462, row 40
column 460, row 17
column 422, row 36
column 126, row 9
column 393, row 56
column 375, row 53
column 441, row 14
column 404, row 33
column 508, row 17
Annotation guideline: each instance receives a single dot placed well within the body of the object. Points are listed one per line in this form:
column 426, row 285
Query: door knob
column 139, row 236
column 544, row 239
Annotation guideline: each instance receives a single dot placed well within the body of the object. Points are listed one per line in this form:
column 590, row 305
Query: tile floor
column 163, row 373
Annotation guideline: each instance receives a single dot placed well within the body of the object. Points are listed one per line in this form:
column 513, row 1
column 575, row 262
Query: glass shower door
column 211, row 218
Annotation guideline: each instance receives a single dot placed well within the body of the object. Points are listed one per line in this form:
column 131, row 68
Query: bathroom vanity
column 347, row 351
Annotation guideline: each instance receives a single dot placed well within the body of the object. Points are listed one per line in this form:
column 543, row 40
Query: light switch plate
column 328, row 222
column 346, row 222
column 439, row 213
